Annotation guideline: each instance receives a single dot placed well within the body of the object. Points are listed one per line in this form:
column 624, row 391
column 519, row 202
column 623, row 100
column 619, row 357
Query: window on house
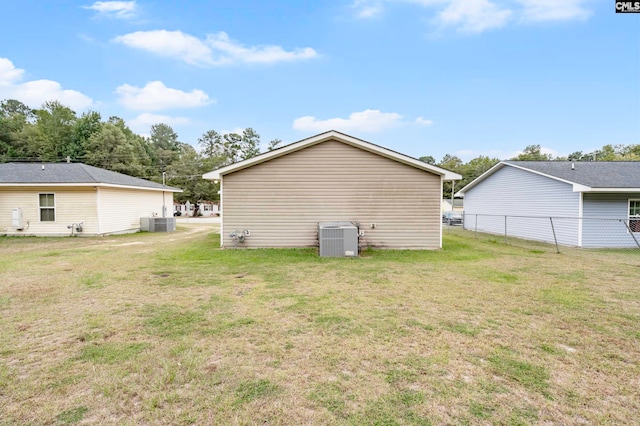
column 47, row 208
column 634, row 215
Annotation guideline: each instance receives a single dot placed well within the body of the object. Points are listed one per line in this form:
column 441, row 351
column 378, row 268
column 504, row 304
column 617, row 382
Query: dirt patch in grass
column 167, row 328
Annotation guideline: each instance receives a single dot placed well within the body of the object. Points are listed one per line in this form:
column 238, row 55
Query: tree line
column 54, row 133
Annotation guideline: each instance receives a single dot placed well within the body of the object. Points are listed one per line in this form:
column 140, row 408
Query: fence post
column 553, row 229
column 476, row 229
column 630, row 232
column 505, row 229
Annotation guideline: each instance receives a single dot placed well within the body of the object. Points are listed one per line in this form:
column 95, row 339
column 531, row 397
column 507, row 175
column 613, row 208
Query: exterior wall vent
column 338, row 239
column 158, row 224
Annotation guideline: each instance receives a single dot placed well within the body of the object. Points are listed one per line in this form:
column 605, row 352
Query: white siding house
column 589, row 202
column 51, row 199
column 281, row 196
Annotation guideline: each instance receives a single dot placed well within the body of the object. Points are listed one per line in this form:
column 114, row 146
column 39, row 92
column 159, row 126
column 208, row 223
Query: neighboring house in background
column 594, row 204
column 280, row 196
column 51, row 199
column 205, row 209
column 458, row 205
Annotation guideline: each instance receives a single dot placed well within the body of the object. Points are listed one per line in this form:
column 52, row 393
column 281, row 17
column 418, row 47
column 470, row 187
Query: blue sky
column 422, row 77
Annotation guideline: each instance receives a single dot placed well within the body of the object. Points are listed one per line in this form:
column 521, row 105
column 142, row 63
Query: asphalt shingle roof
column 594, row 174
column 74, row 173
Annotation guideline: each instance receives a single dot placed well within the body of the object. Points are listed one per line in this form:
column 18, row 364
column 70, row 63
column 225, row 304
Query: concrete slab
column 201, row 220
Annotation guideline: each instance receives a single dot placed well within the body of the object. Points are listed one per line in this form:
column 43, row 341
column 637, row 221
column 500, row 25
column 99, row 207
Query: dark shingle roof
column 594, row 174
column 70, row 173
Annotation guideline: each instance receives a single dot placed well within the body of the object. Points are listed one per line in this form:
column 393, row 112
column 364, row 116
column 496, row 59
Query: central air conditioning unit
column 338, row 239
column 158, row 224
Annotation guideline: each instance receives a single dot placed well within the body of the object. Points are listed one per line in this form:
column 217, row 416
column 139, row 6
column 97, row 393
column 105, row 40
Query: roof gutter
column 81, row 185
column 580, row 188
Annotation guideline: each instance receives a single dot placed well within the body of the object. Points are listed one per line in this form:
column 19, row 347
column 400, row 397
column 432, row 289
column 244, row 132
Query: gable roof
column 585, row 176
column 332, row 135
column 71, row 174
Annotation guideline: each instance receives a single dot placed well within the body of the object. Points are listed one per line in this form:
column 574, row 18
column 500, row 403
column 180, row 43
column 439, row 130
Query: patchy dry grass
column 167, row 329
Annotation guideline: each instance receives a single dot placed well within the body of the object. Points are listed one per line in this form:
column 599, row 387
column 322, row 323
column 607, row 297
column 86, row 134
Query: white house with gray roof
column 593, row 204
column 51, row 199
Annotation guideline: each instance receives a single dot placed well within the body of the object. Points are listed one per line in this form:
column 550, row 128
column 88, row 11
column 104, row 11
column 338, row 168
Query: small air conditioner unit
column 158, row 224
column 338, row 239
column 17, row 220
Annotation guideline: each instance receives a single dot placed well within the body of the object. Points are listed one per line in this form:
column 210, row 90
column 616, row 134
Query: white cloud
column 369, row 120
column 34, row 93
column 424, row 2
column 173, row 44
column 477, row 16
column 423, row 122
column 233, row 51
column 474, row 16
column 114, row 9
column 9, row 74
column 216, row 49
column 554, row 10
column 142, row 123
column 366, row 9
column 156, row 96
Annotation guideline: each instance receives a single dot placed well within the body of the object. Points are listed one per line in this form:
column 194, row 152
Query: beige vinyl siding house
column 113, row 217
column 52, row 197
column 71, row 205
column 280, row 196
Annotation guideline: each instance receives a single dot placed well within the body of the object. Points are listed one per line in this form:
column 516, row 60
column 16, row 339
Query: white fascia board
column 213, row 175
column 366, row 146
column 589, row 189
column 142, row 188
column 79, row 185
column 82, row 185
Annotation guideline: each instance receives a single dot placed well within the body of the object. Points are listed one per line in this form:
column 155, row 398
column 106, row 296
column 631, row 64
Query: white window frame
column 41, row 208
column 633, row 217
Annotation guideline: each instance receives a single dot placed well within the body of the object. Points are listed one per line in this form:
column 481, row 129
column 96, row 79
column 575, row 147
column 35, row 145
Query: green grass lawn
column 169, row 329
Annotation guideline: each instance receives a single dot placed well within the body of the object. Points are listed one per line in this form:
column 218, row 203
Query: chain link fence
column 610, row 239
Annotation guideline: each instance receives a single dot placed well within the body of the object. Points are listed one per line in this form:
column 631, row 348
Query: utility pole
column 164, row 207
